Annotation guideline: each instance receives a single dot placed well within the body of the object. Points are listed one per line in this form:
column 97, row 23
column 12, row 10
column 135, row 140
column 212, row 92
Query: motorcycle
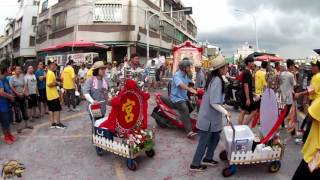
column 166, row 115
column 232, row 97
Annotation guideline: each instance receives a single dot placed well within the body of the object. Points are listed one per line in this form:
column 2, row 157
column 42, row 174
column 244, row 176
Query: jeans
column 303, row 172
column 183, row 109
column 20, row 109
column 71, row 97
column 207, row 141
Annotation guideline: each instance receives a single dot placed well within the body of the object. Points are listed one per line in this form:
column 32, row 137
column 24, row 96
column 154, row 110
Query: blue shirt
column 177, row 93
column 209, row 119
column 4, row 102
column 41, row 84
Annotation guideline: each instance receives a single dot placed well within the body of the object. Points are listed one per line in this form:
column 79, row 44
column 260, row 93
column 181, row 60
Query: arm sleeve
column 88, row 98
column 177, row 81
column 215, row 96
column 219, row 108
column 87, row 86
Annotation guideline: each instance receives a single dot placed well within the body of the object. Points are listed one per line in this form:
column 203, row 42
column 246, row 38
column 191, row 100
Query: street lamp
column 186, row 10
column 255, row 24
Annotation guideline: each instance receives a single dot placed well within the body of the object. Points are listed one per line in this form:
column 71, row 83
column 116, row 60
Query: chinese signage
column 79, row 58
column 130, row 110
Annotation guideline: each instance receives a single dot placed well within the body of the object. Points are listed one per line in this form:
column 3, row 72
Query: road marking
column 119, row 171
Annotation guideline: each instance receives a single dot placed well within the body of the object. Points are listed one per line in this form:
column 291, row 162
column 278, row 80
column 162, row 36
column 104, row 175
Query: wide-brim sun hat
column 217, row 63
column 99, row 64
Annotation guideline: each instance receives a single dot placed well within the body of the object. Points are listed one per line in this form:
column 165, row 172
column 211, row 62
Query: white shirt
column 82, row 72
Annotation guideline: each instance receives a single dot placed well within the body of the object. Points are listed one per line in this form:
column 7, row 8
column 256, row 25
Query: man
column 82, row 71
column 260, row 79
column 179, row 96
column 287, row 84
column 69, row 85
column 17, row 87
column 313, row 92
column 41, row 83
column 53, row 96
column 152, row 75
column 31, row 91
column 6, row 98
column 248, row 105
column 200, row 76
column 133, row 68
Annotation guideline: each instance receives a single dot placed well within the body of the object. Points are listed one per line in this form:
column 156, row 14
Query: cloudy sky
column 286, row 27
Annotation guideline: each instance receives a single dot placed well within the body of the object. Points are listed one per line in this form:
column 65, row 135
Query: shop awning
column 75, row 44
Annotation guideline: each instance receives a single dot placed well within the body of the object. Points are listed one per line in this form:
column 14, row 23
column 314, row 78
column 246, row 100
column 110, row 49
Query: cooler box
column 243, row 138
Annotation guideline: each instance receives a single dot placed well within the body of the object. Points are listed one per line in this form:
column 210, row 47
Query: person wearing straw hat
column 210, row 116
column 95, row 89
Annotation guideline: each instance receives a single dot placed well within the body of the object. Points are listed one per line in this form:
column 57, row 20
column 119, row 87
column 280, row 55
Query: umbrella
column 269, row 58
column 74, row 44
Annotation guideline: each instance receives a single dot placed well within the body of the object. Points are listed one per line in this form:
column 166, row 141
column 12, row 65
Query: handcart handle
column 233, row 134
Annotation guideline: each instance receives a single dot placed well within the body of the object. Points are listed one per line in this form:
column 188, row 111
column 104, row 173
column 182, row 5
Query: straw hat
column 99, row 64
column 217, row 63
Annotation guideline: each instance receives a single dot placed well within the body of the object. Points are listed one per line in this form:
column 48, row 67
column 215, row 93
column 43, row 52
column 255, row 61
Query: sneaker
column 298, row 141
column 191, row 134
column 200, row 168
column 7, row 140
column 61, row 126
column 53, row 126
column 12, row 137
column 209, row 162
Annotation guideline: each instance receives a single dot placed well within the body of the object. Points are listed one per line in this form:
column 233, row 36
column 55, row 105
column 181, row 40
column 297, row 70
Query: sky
column 286, row 27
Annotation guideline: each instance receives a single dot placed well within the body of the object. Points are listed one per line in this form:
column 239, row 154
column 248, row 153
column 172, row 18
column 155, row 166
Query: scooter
column 167, row 117
column 232, row 97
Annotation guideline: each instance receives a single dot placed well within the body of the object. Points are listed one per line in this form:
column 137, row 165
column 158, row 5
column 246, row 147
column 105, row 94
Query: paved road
column 68, row 154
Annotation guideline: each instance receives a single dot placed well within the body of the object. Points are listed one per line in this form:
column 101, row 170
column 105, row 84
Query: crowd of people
column 40, row 92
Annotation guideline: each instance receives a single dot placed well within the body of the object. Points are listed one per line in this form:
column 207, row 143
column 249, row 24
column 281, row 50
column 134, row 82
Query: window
column 59, row 21
column 42, row 28
column 154, row 22
column 167, row 6
column 107, row 12
column 19, row 23
column 44, row 6
column 32, row 41
column 168, row 29
column 34, row 20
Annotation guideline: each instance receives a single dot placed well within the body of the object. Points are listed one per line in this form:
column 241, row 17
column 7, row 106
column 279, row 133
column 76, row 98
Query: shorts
column 42, row 95
column 54, row 105
column 5, row 119
column 253, row 106
column 151, row 79
column 32, row 101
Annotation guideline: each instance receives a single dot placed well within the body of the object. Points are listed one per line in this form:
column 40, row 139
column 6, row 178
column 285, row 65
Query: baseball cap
column 50, row 61
column 315, row 62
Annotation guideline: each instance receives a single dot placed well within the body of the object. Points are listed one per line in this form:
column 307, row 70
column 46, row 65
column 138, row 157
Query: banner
column 80, row 58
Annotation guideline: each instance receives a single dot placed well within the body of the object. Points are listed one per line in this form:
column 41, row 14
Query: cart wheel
column 150, row 153
column 229, row 171
column 99, row 151
column 274, row 166
column 223, row 155
column 132, row 164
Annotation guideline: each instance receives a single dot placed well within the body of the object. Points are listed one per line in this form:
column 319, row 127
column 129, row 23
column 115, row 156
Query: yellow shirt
column 89, row 73
column 260, row 82
column 315, row 84
column 68, row 76
column 312, row 144
column 52, row 92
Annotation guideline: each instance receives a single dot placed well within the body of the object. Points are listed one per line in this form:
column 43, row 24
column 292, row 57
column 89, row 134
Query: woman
column 210, row 116
column 17, row 87
column 309, row 167
column 95, row 89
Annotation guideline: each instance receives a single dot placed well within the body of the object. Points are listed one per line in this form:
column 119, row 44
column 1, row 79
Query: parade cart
column 245, row 147
column 124, row 132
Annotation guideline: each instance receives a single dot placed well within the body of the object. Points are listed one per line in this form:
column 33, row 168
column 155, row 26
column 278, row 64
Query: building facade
column 18, row 43
column 120, row 24
column 243, row 51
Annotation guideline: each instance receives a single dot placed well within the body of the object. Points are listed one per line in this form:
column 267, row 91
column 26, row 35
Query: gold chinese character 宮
column 127, row 108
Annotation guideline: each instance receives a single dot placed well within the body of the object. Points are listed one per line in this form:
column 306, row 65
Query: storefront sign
column 80, row 58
